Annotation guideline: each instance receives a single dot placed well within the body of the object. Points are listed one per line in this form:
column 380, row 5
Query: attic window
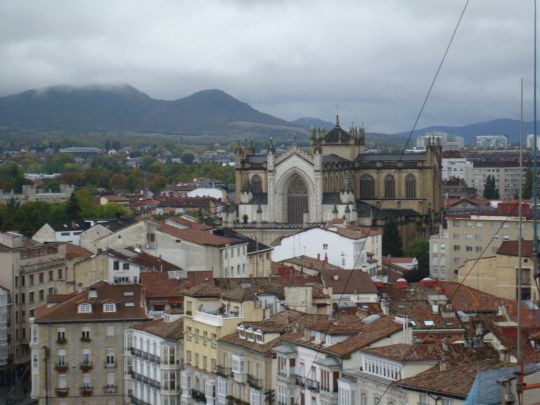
column 178, row 241
column 85, row 308
column 109, row 307
column 259, row 338
column 242, row 334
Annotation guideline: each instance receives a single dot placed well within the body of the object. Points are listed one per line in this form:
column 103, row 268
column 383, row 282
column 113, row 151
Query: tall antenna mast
column 520, row 242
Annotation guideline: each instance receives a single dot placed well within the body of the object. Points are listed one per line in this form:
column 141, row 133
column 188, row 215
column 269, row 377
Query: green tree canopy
column 528, row 185
column 490, row 188
column 391, row 240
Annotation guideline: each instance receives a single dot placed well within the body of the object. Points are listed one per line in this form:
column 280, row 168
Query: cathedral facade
column 335, row 179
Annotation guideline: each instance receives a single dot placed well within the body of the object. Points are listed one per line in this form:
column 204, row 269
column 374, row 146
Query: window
column 109, row 307
column 110, row 331
column 125, row 266
column 109, row 360
column 389, row 186
column 31, row 280
column 41, row 295
column 468, row 236
column 116, row 265
column 254, row 397
column 256, row 184
column 40, row 278
column 85, row 308
column 61, row 359
column 456, row 248
column 86, row 357
column 60, row 272
column 87, row 385
column 325, row 380
column 61, row 335
column 85, row 335
column 325, row 246
column 51, row 275
column 469, row 248
column 31, row 297
column 456, row 236
column 367, row 186
column 410, row 186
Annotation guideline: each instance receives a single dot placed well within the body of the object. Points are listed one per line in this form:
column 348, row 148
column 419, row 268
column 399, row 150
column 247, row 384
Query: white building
column 508, row 177
column 438, row 255
column 4, row 318
column 447, row 141
column 154, row 352
column 457, row 167
column 492, row 141
column 530, row 141
column 61, row 231
column 217, row 193
column 341, row 247
column 309, row 364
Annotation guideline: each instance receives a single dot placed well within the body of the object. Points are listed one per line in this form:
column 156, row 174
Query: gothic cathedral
column 335, row 179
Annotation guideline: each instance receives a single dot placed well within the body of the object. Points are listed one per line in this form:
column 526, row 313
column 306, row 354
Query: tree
column 391, row 240
column 490, row 189
column 419, row 249
column 73, row 209
column 187, row 158
column 528, row 185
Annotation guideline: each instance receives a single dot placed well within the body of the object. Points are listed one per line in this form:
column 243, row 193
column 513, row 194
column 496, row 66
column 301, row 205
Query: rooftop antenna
column 520, row 201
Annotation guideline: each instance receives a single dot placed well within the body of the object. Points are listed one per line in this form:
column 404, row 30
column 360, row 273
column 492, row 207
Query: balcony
column 239, row 376
column 86, row 339
column 86, row 366
column 110, row 365
column 212, row 319
column 312, row 385
column 62, row 392
column 86, row 390
column 223, row 371
column 254, row 382
column 110, row 389
column 61, row 341
column 198, row 396
column 329, row 396
column 286, row 376
column 61, row 367
column 300, row 381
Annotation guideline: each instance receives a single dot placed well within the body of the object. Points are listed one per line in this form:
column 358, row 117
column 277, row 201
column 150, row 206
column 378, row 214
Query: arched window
column 256, row 184
column 410, row 186
column 389, row 187
column 367, row 186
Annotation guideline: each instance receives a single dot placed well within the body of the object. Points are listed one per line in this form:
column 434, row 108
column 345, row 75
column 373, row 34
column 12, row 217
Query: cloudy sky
column 372, row 60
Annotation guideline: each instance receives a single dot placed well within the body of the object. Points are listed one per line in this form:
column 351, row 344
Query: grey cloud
column 373, row 59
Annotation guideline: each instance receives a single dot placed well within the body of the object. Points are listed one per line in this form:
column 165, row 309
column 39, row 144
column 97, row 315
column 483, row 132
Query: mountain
column 502, row 126
column 124, row 108
column 308, row 122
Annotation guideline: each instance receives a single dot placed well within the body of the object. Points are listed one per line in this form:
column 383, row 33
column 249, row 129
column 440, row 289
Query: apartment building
column 78, row 343
column 309, row 363
column 457, row 167
column 438, row 254
column 479, row 236
column 508, row 176
column 153, row 355
column 5, row 303
column 498, row 275
column 379, row 379
column 30, row 271
column 211, row 313
column 185, row 243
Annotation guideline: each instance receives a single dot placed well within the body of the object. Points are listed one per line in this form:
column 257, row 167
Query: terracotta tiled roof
column 199, row 236
column 203, row 290
column 167, row 330
column 455, row 382
column 75, row 252
column 348, row 281
column 366, row 335
column 129, row 300
column 398, row 260
column 510, row 248
column 310, row 263
column 453, row 354
column 240, row 294
column 143, row 259
column 190, row 223
column 158, row 285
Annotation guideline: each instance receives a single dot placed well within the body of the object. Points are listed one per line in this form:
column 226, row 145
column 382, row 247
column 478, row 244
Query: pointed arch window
column 367, row 186
column 410, row 186
column 389, row 186
column 256, row 184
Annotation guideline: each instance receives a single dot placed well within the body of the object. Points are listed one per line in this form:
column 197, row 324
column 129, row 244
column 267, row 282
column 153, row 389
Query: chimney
column 443, row 365
column 444, row 344
column 318, row 256
column 92, row 293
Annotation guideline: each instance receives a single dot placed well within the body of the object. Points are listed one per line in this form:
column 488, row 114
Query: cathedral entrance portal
column 297, row 200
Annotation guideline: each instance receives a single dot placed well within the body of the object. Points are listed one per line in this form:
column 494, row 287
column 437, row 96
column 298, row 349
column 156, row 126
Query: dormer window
column 85, row 308
column 241, row 332
column 250, row 337
column 109, row 307
column 259, row 338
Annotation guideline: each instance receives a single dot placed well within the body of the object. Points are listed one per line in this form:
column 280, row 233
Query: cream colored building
column 30, row 271
column 498, row 275
column 78, row 345
column 479, row 236
column 209, row 314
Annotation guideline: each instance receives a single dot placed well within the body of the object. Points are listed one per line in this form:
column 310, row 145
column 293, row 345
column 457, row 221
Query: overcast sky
column 370, row 60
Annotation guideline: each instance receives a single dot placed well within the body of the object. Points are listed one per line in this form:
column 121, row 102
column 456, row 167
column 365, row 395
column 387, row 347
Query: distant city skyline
column 371, row 62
